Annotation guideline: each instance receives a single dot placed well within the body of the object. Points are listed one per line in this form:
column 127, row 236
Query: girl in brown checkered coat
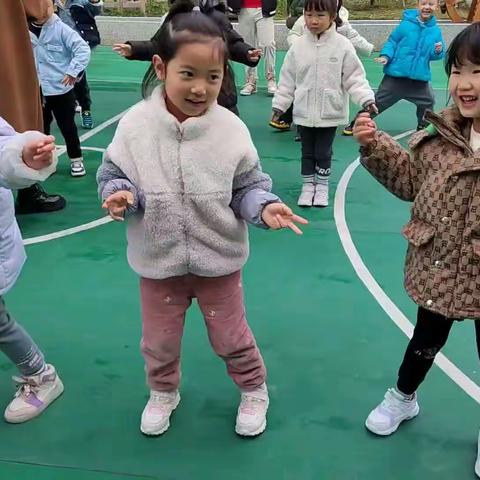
column 441, row 177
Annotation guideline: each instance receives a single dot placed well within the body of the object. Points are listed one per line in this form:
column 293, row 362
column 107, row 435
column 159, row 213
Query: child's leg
column 17, row 345
column 390, row 91
column 307, row 137
column 222, row 305
column 421, row 95
column 430, row 335
column 47, row 115
column 63, row 107
column 266, row 41
column 164, row 304
column 246, row 27
column 82, row 93
column 324, row 138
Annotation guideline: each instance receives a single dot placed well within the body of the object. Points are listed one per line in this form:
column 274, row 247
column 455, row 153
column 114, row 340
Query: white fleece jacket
column 318, row 75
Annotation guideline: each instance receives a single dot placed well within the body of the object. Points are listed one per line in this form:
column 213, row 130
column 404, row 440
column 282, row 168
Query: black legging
column 429, row 336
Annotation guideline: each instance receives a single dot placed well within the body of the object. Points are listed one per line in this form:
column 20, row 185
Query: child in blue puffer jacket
column 25, row 159
column 406, row 57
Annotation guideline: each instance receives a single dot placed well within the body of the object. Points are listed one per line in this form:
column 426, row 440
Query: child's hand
column 39, row 153
column 438, row 47
column 371, row 108
column 381, row 60
column 254, row 55
column 123, row 49
column 68, row 80
column 117, row 203
column 364, row 129
column 278, row 215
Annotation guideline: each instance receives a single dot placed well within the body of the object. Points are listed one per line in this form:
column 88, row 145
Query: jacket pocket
column 418, row 232
column 333, row 104
column 300, row 103
column 55, row 52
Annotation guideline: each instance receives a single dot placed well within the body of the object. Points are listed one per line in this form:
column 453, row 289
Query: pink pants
column 164, row 305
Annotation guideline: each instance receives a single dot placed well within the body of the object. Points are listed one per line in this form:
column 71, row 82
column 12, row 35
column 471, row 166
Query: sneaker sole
column 257, row 432
column 347, row 133
column 87, row 128
column 393, row 429
column 155, row 433
column 82, row 174
column 276, row 126
column 54, row 395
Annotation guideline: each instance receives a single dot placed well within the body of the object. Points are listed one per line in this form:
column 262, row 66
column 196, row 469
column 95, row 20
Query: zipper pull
column 179, row 134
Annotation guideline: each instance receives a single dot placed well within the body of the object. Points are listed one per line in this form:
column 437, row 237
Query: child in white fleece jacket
column 320, row 71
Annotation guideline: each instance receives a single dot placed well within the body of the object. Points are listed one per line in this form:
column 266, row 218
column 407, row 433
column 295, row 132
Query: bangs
column 464, row 48
column 329, row 6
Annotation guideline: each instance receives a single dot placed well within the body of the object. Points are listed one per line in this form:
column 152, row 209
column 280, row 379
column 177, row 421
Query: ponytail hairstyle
column 183, row 25
column 331, row 6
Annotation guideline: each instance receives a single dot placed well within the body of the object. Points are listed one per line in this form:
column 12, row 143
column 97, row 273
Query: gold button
column 429, row 303
column 445, row 220
column 438, row 263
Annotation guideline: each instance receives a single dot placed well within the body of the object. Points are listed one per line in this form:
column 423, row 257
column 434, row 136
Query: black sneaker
column 348, row 130
column 36, row 200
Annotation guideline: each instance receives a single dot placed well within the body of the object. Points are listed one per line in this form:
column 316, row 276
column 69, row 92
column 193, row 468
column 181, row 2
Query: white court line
column 397, row 316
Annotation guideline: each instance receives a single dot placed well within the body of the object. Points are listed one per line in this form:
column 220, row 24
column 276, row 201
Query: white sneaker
column 77, row 169
column 78, row 108
column 157, row 411
column 306, row 195
column 35, row 393
column 252, row 412
column 248, row 89
column 477, row 463
column 394, row 409
column 320, row 198
column 271, row 87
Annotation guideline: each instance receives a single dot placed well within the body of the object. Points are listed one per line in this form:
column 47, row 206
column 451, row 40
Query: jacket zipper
column 182, row 192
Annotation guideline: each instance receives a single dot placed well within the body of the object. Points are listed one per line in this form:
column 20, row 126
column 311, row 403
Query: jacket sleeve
column 296, row 32
column 111, row 179
column 141, row 50
column 80, row 51
column 390, row 46
column 237, row 48
column 361, row 44
column 438, row 38
column 393, row 166
column 14, row 173
column 284, row 95
column 354, row 79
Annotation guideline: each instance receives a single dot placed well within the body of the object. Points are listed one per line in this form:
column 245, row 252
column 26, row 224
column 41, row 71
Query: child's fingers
column 48, row 148
column 298, row 219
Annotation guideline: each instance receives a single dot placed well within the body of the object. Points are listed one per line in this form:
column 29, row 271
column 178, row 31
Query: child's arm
column 361, row 44
column 296, row 32
column 80, row 51
column 388, row 50
column 438, row 48
column 284, row 95
column 386, row 160
column 117, row 192
column 354, row 79
column 25, row 158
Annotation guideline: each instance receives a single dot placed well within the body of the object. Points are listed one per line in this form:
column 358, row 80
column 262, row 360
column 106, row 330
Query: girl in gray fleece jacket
column 186, row 172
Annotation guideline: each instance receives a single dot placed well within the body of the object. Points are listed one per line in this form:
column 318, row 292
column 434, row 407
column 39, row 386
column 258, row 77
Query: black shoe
column 35, row 200
column 422, row 125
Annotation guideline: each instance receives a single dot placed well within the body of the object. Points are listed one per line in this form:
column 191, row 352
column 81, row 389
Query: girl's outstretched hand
column 381, row 60
column 123, row 49
column 117, row 203
column 364, row 129
column 278, row 215
column 39, row 153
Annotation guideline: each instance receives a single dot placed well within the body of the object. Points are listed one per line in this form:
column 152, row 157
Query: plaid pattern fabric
column 441, row 176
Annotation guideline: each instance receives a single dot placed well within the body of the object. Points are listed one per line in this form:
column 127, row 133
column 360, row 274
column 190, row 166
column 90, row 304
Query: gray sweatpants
column 393, row 89
column 17, row 345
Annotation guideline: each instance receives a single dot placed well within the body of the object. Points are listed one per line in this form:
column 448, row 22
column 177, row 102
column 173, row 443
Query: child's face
column 464, row 86
column 426, row 8
column 318, row 22
column 192, row 79
column 46, row 14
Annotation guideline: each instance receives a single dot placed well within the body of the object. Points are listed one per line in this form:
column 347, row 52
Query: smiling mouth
column 468, row 100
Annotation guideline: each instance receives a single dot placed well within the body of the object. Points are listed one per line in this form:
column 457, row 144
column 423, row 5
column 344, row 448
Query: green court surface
column 330, row 348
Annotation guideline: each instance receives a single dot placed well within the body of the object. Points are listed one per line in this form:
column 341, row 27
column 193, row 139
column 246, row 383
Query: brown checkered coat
column 441, row 176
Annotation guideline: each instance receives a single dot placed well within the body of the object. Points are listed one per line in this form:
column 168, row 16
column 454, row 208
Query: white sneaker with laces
column 77, row 169
column 156, row 414
column 271, row 87
column 78, row 108
column 252, row 412
column 35, row 393
column 394, row 409
column 248, row 89
column 306, row 195
column 320, row 198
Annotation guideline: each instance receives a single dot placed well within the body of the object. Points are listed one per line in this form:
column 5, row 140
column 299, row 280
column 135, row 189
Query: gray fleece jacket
column 195, row 185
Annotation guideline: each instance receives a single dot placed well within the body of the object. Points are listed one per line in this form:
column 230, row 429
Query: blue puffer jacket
column 411, row 47
column 14, row 174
